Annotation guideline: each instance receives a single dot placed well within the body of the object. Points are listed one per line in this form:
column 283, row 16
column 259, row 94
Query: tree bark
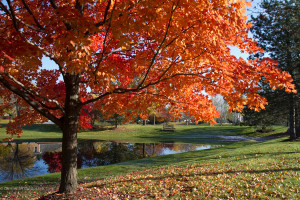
column 116, row 122
column 297, row 119
column 68, row 182
column 292, row 121
column 69, row 128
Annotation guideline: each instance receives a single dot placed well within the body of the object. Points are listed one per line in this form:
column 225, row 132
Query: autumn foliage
column 168, row 52
column 123, row 55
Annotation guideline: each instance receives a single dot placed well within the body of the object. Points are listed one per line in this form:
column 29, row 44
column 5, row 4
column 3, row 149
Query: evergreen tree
column 277, row 31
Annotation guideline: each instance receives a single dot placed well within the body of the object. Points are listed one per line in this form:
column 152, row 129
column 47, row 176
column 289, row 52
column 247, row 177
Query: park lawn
column 183, row 133
column 242, row 170
column 139, row 133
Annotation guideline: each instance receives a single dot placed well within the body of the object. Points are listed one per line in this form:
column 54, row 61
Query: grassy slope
column 240, row 170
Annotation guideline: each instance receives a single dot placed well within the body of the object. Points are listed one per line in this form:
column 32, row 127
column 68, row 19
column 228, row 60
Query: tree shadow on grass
column 42, row 128
column 38, row 140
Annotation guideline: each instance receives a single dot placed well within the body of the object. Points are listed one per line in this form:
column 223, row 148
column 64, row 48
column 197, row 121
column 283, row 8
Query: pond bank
column 234, row 170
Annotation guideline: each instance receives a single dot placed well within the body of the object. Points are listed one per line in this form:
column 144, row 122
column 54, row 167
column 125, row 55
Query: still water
column 20, row 160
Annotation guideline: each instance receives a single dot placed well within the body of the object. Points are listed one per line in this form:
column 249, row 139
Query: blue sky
column 253, row 10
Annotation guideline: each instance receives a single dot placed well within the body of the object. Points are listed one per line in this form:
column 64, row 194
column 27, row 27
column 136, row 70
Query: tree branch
column 14, row 19
column 79, row 7
column 160, row 46
column 12, row 15
column 34, row 18
column 104, row 42
column 53, row 4
column 125, row 90
column 29, row 100
column 29, row 90
column 105, row 15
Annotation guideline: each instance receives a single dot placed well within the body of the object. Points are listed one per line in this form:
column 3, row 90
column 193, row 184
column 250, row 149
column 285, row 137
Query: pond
column 20, row 160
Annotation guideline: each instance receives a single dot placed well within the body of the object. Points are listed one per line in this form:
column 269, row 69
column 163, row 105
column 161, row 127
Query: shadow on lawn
column 42, row 128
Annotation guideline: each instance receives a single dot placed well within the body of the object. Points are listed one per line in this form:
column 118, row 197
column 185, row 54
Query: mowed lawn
column 241, row 170
column 139, row 133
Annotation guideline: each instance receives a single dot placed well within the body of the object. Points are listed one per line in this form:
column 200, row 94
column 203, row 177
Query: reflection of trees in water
column 184, row 147
column 53, row 160
column 105, row 153
column 118, row 152
column 16, row 161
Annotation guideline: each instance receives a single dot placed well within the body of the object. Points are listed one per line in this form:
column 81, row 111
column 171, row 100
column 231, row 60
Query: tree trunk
column 116, row 122
column 297, row 120
column 292, row 121
column 153, row 119
column 68, row 182
column 69, row 128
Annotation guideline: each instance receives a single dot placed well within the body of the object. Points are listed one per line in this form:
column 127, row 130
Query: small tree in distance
column 129, row 54
column 221, row 107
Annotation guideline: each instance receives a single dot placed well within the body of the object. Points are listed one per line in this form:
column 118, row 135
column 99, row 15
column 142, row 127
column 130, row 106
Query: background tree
column 178, row 48
column 276, row 112
column 221, row 107
column 153, row 113
column 95, row 115
column 277, row 30
column 186, row 118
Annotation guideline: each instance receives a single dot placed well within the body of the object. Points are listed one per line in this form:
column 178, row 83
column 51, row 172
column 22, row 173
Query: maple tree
column 123, row 55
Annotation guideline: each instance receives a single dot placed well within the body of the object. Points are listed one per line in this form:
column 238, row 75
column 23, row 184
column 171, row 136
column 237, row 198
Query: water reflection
column 17, row 161
column 32, row 159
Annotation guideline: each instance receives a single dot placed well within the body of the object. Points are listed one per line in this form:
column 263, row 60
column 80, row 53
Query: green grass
column 139, row 133
column 249, row 170
column 35, row 133
column 241, row 170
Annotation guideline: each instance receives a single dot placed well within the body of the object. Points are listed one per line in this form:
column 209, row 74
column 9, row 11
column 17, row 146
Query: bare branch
column 3, row 7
